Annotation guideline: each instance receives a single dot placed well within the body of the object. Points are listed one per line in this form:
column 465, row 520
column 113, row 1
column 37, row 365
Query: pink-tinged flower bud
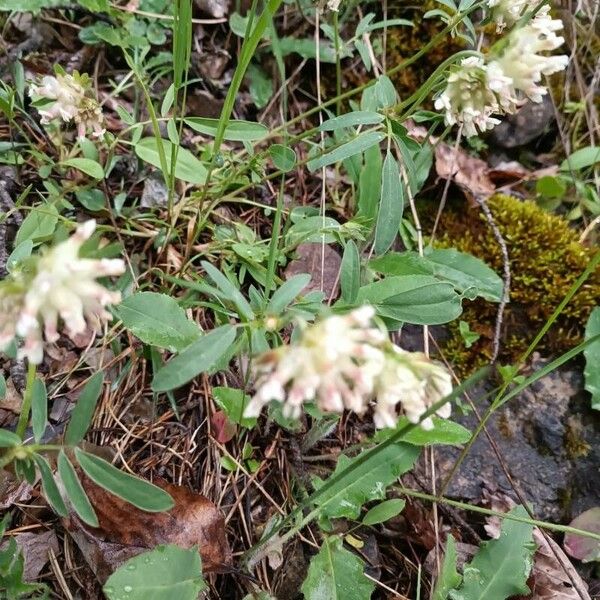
column 70, row 94
column 348, row 363
column 63, row 286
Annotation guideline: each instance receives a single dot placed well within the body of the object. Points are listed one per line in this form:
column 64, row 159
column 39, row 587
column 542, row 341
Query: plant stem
column 495, row 513
column 26, row 407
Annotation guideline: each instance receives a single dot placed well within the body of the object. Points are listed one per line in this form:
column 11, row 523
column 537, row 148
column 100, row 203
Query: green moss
column 546, row 258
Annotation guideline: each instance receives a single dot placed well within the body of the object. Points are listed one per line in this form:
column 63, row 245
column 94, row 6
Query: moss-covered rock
column 546, row 258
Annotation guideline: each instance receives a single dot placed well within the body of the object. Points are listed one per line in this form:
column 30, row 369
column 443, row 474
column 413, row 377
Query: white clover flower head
column 334, row 5
column 477, row 89
column 505, row 13
column 468, row 99
column 343, row 363
column 71, row 103
column 522, row 60
column 414, row 382
column 62, row 286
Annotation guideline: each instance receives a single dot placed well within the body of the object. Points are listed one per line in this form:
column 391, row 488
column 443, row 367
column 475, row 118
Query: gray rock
column 549, row 439
column 155, row 193
column 527, row 124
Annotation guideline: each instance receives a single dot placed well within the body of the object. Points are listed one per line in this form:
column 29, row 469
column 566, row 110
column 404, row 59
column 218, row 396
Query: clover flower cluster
column 57, row 284
column 69, row 101
column 346, row 362
column 505, row 13
column 478, row 89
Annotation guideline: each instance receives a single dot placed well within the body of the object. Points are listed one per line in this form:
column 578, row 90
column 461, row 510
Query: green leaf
column 2, row 387
column 233, row 402
column 582, row 158
column 358, row 117
column 21, row 252
column 260, row 85
column 369, row 193
column 85, row 165
column 39, row 409
column 501, row 567
column 418, row 299
column 551, row 187
column 384, row 511
column 449, row 577
column 350, row 272
column 93, row 200
column 188, row 168
column 401, row 263
column 391, row 206
column 230, row 291
column 469, row 337
column 197, row 358
column 236, row 130
column 336, row 574
column 592, row 358
column 359, row 144
column 311, row 230
column 157, row 320
column 28, row 5
column 83, row 413
column 75, row 492
column 50, row 488
column 367, row 482
column 8, row 439
column 443, row 432
column 287, row 293
column 134, row 490
column 466, row 273
column 164, row 573
column 284, row 157
column 38, row 225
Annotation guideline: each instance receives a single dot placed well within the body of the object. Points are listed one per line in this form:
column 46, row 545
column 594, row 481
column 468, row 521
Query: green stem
column 495, row 513
column 26, row 407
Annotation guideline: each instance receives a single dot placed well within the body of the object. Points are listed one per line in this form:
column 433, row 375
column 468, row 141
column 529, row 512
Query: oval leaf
column 195, row 359
column 284, row 157
column 350, row 272
column 8, row 439
column 75, row 492
column 358, row 117
column 582, row 158
column 391, row 205
column 39, row 409
column 384, row 511
column 188, row 167
column 82, row 414
column 359, row 144
column 85, row 165
column 50, row 488
column 164, row 573
column 134, row 490
column 158, row 321
column 417, row 299
column 236, row 131
column 336, row 574
column 38, row 225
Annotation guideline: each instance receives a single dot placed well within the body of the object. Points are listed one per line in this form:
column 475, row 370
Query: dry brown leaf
column 35, row 548
column 126, row 531
column 11, row 400
column 469, row 173
column 310, row 260
column 12, row 490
